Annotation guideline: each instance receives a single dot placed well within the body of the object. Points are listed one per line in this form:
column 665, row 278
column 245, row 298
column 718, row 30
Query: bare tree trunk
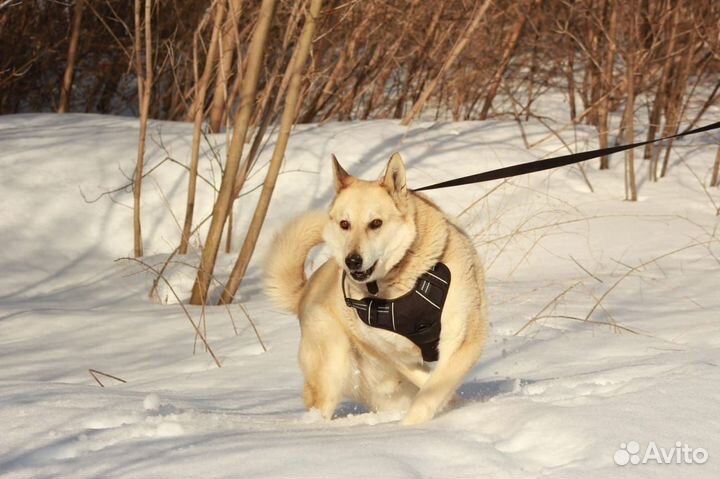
column 196, row 39
column 506, row 56
column 220, row 95
column 381, row 65
column 268, row 112
column 630, row 183
column 286, row 123
column 263, row 113
column 146, row 89
column 710, row 101
column 242, row 122
column 676, row 94
column 595, row 37
column 137, row 46
column 66, row 88
column 198, row 109
column 570, row 73
column 660, row 97
column 715, row 180
column 419, row 57
column 322, row 95
column 607, row 72
column 235, row 91
column 531, row 79
column 454, row 53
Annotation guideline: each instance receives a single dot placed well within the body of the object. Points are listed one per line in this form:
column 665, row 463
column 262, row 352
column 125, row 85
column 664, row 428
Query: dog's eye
column 375, row 224
column 344, row 224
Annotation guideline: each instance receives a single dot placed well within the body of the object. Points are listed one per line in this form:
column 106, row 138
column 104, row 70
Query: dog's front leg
column 325, row 378
column 325, row 361
column 443, row 381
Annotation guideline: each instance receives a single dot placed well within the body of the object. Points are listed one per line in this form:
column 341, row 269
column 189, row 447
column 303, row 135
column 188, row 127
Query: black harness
column 415, row 315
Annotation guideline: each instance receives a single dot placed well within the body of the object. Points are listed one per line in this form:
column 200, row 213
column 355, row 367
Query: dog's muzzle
column 363, row 275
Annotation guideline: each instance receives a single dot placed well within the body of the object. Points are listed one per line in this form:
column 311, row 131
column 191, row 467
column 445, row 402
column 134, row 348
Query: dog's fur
column 341, row 356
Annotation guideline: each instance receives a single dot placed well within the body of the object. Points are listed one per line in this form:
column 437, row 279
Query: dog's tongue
column 372, row 287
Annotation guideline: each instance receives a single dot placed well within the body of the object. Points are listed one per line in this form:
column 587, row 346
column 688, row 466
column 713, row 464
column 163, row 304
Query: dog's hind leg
column 442, row 382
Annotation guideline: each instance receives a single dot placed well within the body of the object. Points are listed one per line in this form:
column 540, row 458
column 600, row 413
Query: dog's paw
column 414, row 420
column 418, row 414
column 313, row 415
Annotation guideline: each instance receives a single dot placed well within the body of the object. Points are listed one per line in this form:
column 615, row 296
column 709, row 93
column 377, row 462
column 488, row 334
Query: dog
column 384, row 240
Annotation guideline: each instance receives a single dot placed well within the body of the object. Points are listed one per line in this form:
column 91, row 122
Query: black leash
column 549, row 163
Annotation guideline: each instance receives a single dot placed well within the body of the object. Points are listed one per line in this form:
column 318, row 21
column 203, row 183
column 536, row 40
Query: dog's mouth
column 363, row 275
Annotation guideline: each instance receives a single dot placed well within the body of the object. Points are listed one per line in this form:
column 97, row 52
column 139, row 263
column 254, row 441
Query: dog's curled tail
column 285, row 262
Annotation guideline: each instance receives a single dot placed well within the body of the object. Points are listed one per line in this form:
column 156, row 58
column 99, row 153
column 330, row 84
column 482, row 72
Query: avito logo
column 629, row 453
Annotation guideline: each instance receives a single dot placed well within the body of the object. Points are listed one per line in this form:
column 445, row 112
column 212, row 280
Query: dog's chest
column 415, row 315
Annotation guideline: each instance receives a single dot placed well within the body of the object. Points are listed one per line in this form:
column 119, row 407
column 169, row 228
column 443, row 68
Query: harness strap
column 416, row 315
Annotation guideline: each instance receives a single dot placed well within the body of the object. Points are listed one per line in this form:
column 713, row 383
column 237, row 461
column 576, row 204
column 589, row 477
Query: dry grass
column 95, row 373
column 497, row 218
column 195, row 326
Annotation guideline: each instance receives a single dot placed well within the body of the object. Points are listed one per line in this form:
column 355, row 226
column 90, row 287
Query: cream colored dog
column 377, row 231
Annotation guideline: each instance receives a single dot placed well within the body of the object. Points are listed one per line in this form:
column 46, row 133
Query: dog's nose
column 354, row 261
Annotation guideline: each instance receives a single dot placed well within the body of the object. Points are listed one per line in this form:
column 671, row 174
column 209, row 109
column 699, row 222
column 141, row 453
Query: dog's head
column 371, row 223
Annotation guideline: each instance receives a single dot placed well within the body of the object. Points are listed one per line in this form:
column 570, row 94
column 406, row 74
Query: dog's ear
column 394, row 179
column 342, row 178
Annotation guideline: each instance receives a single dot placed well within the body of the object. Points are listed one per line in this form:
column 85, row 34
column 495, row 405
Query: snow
column 556, row 393
column 152, row 402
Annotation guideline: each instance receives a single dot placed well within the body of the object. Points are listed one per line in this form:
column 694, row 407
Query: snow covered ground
column 604, row 313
